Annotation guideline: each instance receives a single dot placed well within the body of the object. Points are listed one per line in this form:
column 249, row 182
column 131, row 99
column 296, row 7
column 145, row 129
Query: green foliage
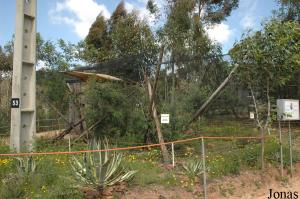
column 269, row 55
column 217, row 10
column 51, row 82
column 6, row 58
column 124, row 36
column 26, row 165
column 220, row 165
column 149, row 173
column 251, row 153
column 57, row 56
column 186, row 37
column 268, row 60
column 6, row 64
column 193, row 168
column 119, row 105
column 51, row 179
column 152, row 7
column 289, row 10
column 12, row 187
column 100, row 169
column 51, row 86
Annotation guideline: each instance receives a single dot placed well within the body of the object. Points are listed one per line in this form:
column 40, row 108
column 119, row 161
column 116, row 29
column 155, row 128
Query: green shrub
column 226, row 164
column 119, row 106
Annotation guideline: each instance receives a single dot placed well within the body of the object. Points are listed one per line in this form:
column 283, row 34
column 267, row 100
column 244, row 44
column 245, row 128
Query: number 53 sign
column 15, row 102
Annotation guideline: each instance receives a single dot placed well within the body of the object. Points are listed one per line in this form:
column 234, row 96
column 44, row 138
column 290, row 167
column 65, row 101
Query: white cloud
column 247, row 12
column 141, row 11
column 140, row 7
column 41, row 65
column 219, row 32
column 247, row 22
column 78, row 14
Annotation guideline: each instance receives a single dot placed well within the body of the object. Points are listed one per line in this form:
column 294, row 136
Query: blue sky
column 71, row 19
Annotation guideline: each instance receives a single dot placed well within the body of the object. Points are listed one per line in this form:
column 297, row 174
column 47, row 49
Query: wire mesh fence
column 42, row 125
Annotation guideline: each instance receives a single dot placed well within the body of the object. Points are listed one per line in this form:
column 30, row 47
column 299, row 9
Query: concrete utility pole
column 23, row 116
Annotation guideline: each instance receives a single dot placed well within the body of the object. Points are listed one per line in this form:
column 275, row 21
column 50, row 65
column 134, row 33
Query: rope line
column 121, row 148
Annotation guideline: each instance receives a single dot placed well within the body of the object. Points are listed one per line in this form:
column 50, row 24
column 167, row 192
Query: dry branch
column 87, row 131
column 67, row 131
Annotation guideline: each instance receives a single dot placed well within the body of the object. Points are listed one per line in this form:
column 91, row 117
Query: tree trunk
column 161, row 54
column 75, row 109
column 157, row 124
column 262, row 130
column 173, row 106
column 166, row 86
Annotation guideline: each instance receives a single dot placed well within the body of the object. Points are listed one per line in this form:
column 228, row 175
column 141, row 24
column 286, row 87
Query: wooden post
column 290, row 146
column 204, row 168
column 213, row 96
column 173, row 155
column 161, row 54
column 157, row 124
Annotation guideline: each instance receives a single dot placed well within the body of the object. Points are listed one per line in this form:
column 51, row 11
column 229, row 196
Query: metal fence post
column 204, row 168
column 281, row 153
column 290, row 146
column 69, row 143
column 173, row 155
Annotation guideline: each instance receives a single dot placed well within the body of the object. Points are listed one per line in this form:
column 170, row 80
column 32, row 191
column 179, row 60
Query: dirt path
column 249, row 185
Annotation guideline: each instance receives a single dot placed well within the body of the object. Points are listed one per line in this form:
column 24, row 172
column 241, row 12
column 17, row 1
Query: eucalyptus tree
column 124, row 35
column 6, row 58
column 54, row 57
column 186, row 39
column 129, row 43
column 186, row 25
column 289, row 10
column 268, row 58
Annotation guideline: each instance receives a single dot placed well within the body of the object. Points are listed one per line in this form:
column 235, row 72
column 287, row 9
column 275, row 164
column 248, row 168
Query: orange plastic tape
column 122, row 149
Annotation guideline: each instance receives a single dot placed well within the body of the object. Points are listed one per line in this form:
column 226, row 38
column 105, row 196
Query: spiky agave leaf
column 193, row 168
column 100, row 169
column 79, row 171
column 26, row 165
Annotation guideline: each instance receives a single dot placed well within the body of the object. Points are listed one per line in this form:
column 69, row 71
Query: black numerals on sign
column 15, row 103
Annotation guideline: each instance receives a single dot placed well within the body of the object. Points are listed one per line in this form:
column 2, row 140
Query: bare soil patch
column 248, row 185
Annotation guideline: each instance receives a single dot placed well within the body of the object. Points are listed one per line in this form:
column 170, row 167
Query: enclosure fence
column 201, row 140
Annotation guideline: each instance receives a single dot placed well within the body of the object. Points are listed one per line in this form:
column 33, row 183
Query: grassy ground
column 53, row 177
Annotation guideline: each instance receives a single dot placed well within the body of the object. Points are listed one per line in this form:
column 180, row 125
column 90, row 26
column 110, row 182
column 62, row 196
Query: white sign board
column 252, row 115
column 288, row 109
column 165, row 118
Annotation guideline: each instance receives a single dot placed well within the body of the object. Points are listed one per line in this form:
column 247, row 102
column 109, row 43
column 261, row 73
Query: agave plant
column 193, row 168
column 26, row 165
column 100, row 169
